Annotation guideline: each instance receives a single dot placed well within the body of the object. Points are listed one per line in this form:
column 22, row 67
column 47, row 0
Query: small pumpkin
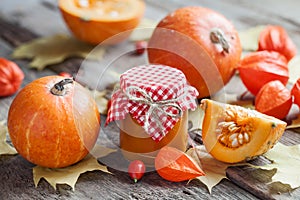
column 274, row 99
column 94, row 21
column 258, row 68
column 53, row 122
column 200, row 42
column 11, row 77
column 234, row 134
column 275, row 38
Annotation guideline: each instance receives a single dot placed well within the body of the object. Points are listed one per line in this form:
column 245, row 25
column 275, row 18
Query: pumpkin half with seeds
column 233, row 133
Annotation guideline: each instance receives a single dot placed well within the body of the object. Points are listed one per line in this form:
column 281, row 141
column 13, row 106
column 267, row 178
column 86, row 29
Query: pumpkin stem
column 59, row 89
column 217, row 36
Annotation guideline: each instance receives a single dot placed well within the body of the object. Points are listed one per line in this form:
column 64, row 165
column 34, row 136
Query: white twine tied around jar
column 159, row 105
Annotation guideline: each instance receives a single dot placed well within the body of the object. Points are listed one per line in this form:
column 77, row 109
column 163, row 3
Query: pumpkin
column 175, row 165
column 234, row 134
column 200, row 42
column 95, row 21
column 11, row 77
column 258, row 68
column 275, row 38
column 296, row 92
column 53, row 122
column 274, row 99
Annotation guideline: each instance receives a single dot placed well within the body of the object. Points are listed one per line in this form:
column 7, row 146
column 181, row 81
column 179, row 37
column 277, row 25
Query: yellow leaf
column 196, row 117
column 69, row 175
column 55, row 49
column 5, row 148
column 249, row 38
column 286, row 160
column 295, row 123
column 101, row 100
column 214, row 170
column 234, row 99
column 101, row 151
column 294, row 69
column 143, row 31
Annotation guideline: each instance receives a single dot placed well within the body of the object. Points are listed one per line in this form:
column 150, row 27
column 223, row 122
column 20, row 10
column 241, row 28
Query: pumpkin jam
column 136, row 144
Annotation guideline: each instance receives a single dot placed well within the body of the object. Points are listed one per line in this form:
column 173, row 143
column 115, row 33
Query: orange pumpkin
column 96, row 21
column 200, row 42
column 53, row 122
column 233, row 134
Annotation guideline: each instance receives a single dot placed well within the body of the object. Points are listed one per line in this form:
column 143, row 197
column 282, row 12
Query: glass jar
column 136, row 144
column 152, row 108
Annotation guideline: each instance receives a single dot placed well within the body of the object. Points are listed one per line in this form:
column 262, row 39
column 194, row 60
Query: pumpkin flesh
column 262, row 131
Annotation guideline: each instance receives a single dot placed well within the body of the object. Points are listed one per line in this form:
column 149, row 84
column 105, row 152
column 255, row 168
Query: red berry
column 136, row 170
column 140, row 47
column 65, row 74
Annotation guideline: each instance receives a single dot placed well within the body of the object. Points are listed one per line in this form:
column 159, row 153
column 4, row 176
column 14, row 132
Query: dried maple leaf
column 5, row 148
column 249, row 38
column 286, row 160
column 69, row 175
column 295, row 123
column 196, row 117
column 55, row 49
column 143, row 31
column 234, row 99
column 214, row 170
column 101, row 100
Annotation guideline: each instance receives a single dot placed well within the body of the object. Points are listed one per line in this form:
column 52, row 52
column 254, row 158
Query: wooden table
column 22, row 21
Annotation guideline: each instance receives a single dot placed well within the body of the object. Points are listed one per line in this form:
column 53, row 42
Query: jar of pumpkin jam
column 152, row 106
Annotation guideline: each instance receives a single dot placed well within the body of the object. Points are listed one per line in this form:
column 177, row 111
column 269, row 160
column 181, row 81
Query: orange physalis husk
column 175, row 165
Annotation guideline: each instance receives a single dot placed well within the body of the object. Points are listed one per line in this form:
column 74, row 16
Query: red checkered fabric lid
column 154, row 95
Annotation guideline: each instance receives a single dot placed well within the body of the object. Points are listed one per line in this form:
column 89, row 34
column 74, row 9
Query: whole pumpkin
column 199, row 41
column 53, row 122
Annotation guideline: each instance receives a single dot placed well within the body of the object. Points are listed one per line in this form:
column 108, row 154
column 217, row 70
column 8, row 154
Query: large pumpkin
column 95, row 21
column 200, row 42
column 53, row 122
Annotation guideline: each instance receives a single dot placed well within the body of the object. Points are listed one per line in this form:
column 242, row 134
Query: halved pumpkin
column 102, row 21
column 233, row 134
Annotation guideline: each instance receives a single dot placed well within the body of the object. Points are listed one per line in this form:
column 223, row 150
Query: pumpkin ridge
column 64, row 107
column 27, row 134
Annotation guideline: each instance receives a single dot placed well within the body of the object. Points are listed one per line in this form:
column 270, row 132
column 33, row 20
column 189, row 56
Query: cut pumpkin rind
column 234, row 134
